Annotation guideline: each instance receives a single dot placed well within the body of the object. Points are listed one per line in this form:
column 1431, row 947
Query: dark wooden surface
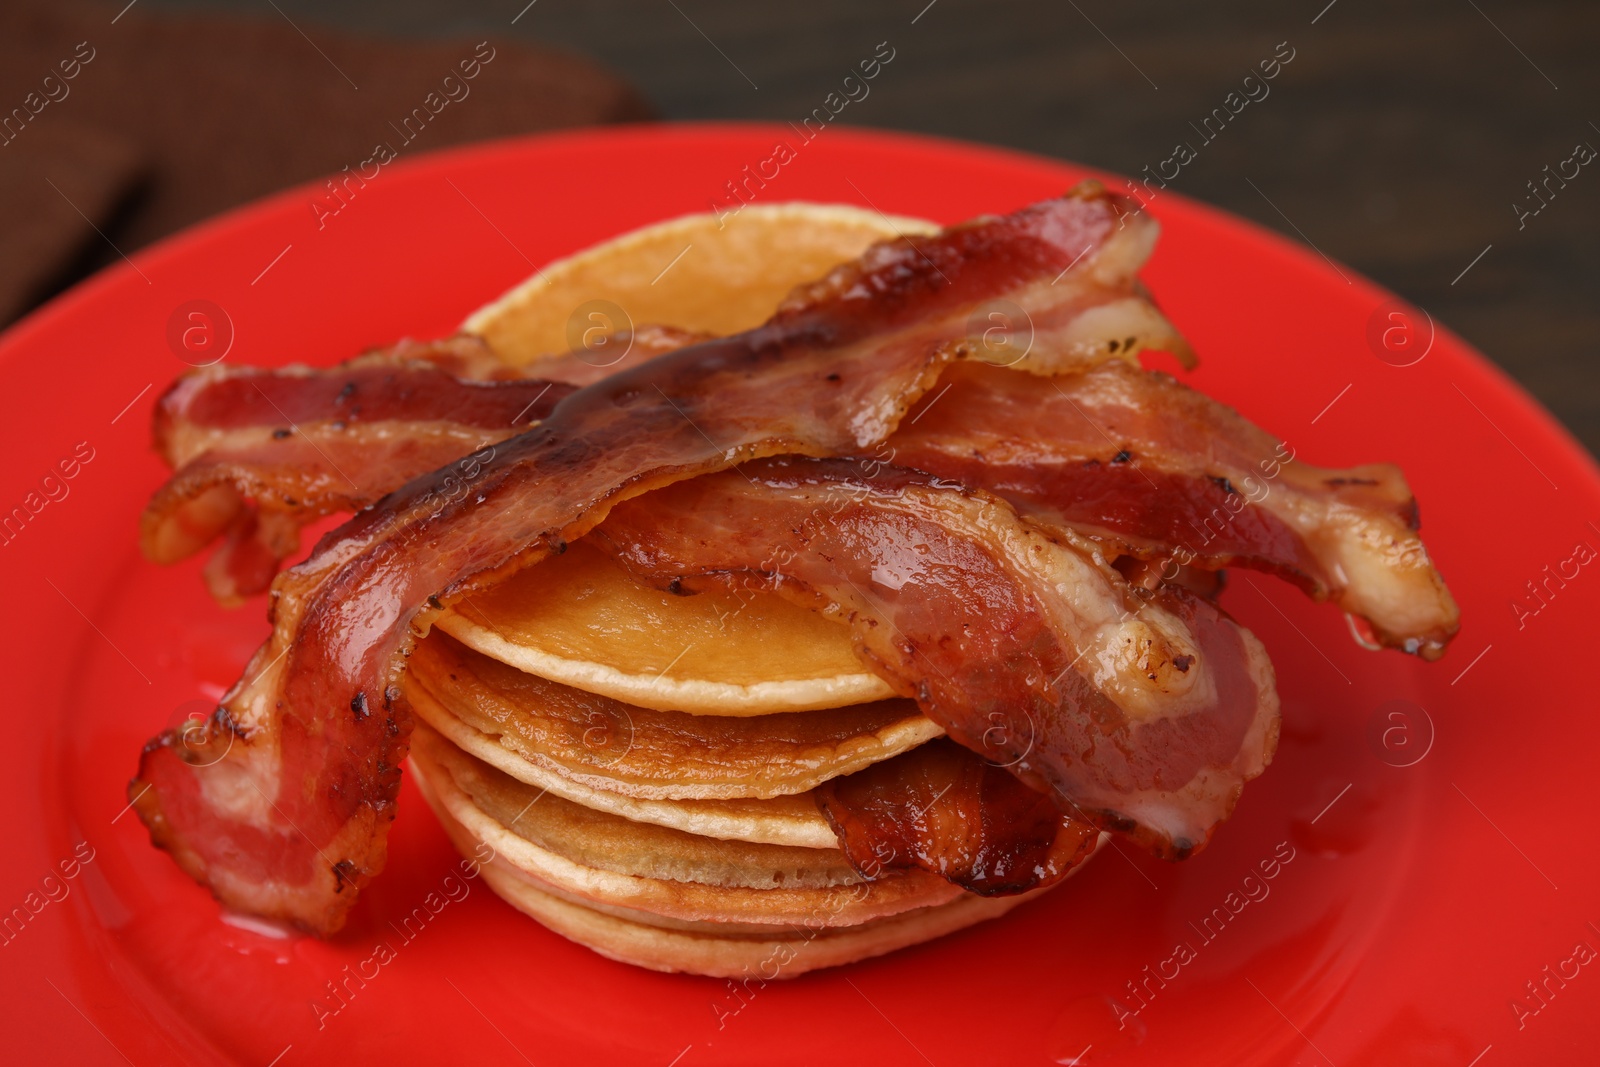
column 162, row 119
column 1398, row 140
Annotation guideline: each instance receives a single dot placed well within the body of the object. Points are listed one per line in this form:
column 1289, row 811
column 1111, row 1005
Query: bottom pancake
column 721, row 955
column 673, row 901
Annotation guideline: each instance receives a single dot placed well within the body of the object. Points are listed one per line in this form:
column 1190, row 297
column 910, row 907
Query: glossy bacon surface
column 281, row 802
column 1165, row 473
column 1143, row 714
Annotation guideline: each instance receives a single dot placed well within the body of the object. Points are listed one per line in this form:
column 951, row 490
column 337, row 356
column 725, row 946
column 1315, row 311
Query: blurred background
column 1442, row 148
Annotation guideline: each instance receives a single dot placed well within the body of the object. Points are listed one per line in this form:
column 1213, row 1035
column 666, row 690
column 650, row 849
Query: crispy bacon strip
column 281, row 802
column 261, row 453
column 1165, row 473
column 1142, row 714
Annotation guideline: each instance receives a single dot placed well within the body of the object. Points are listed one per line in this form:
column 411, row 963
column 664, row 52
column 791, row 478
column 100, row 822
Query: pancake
column 783, row 820
column 660, row 755
column 654, row 871
column 579, row 619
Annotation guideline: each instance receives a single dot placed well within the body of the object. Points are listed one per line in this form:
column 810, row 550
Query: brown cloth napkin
column 139, row 123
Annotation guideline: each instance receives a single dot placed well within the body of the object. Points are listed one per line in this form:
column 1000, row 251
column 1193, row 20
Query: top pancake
column 580, row 620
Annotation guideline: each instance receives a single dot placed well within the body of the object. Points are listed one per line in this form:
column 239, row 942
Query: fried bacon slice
column 280, row 802
column 1164, row 473
column 259, row 454
column 1145, row 713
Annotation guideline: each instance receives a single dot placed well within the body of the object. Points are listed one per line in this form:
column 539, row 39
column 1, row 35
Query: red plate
column 1417, row 855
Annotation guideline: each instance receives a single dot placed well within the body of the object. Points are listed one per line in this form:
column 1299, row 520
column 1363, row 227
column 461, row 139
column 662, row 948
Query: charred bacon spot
column 390, row 695
column 224, row 720
column 1122, row 456
column 1182, row 662
column 280, row 433
column 349, row 390
column 358, row 704
column 1114, row 821
column 344, row 873
column 1223, row 484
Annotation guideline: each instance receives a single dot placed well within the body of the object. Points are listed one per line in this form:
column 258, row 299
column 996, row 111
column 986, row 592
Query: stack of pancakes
column 641, row 763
